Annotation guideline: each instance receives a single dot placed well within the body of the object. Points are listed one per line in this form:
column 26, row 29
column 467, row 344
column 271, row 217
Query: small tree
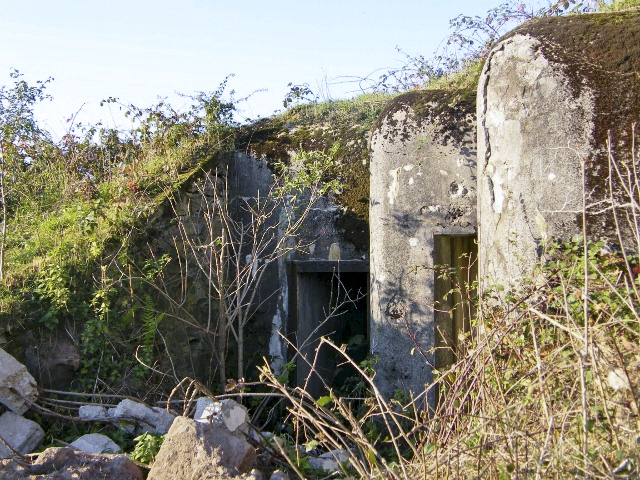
column 233, row 254
column 19, row 136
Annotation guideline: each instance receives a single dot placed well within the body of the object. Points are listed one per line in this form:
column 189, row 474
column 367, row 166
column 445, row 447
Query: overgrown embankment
column 76, row 263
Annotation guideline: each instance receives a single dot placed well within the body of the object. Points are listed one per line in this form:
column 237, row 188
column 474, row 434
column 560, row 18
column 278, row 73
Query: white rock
column 92, row 411
column 227, row 412
column 95, row 443
column 617, row 380
column 20, row 434
column 205, row 408
column 14, row 375
column 234, row 415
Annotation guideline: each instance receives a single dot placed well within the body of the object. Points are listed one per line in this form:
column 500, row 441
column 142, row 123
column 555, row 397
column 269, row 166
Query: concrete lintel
column 345, row 266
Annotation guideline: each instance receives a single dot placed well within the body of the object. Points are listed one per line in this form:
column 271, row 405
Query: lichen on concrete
column 600, row 52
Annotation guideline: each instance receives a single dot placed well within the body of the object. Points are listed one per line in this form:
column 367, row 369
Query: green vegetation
column 618, row 5
column 74, row 211
column 545, row 386
column 147, row 448
column 317, row 127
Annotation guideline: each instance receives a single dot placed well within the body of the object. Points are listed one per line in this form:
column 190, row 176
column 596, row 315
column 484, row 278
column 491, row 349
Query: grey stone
column 199, row 450
column 326, row 464
column 92, row 411
column 329, row 461
column 279, row 475
column 155, row 420
column 162, row 420
column 14, row 375
column 21, row 434
column 95, row 443
column 67, row 464
column 423, row 188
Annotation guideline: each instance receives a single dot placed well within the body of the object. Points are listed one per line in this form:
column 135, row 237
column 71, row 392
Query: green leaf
column 311, row 445
column 322, row 401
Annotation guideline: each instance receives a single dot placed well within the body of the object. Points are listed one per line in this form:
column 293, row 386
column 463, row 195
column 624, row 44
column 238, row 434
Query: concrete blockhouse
column 422, row 215
column 551, row 95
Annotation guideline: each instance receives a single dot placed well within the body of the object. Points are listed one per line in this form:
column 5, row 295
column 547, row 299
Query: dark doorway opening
column 329, row 299
column 456, row 270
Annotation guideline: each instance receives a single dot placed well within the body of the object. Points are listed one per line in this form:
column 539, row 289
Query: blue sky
column 137, row 50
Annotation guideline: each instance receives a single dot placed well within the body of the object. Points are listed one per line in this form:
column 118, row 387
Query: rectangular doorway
column 455, row 272
column 329, row 299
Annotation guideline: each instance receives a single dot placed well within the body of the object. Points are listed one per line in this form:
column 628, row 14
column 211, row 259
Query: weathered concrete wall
column 252, row 178
column 323, row 238
column 549, row 93
column 423, row 184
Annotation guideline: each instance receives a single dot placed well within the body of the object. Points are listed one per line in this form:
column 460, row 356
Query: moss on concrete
column 276, row 139
column 447, row 109
column 600, row 52
column 609, row 40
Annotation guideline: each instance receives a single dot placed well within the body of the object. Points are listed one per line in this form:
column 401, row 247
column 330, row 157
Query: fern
column 150, row 323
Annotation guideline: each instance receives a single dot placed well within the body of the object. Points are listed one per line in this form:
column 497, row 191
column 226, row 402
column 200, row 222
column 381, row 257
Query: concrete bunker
column 551, row 95
column 422, row 213
column 330, row 299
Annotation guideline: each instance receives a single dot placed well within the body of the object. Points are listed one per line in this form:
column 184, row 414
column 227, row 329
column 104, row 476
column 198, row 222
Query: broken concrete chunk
column 192, row 448
column 95, row 443
column 154, row 420
column 14, row 375
column 204, row 409
column 227, row 413
column 20, row 434
column 92, row 411
column 163, row 420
